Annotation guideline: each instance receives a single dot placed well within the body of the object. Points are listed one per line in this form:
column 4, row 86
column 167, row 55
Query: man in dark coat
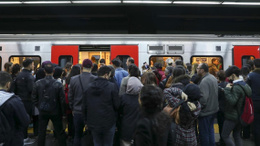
column 13, row 110
column 100, row 104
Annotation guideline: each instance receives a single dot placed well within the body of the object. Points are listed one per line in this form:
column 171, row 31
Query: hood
column 99, row 85
column 134, row 86
column 184, row 79
column 193, row 92
column 178, row 85
column 4, row 96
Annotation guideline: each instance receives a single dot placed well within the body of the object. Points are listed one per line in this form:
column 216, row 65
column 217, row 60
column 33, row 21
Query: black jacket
column 129, row 109
column 253, row 80
column 57, row 92
column 75, row 91
column 17, row 117
column 23, row 85
column 100, row 103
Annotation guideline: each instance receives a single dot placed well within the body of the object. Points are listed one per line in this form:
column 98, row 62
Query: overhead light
column 46, row 2
column 10, row 3
column 148, row 2
column 197, row 2
column 242, row 3
column 94, row 2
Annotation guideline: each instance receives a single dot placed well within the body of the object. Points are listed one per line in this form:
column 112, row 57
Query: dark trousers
column 71, row 130
column 221, row 119
column 228, row 127
column 104, row 137
column 57, row 123
column 256, row 122
column 206, row 130
column 28, row 108
column 79, row 126
column 35, row 125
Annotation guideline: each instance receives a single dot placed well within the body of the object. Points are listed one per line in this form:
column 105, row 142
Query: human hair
column 40, row 74
column 7, row 66
column 112, row 74
column 177, row 71
column 232, row 70
column 94, row 68
column 130, row 59
column 68, row 65
column 133, row 70
column 75, row 70
column 169, row 70
column 158, row 65
column 116, row 62
column 102, row 61
column 257, row 63
column 251, row 63
column 205, row 67
column 103, row 70
column 194, row 68
column 221, row 75
column 27, row 62
column 245, row 71
column 48, row 68
column 188, row 66
column 16, row 68
column 148, row 78
column 151, row 99
column 212, row 60
column 5, row 77
column 57, row 72
column 179, row 62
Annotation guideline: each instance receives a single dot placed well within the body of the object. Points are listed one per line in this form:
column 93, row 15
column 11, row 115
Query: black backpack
column 5, row 128
column 48, row 103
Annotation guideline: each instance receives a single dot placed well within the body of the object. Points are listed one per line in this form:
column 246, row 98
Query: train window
column 64, row 59
column 245, row 59
column 162, row 60
column 123, row 58
column 215, row 63
column 95, row 56
column 19, row 60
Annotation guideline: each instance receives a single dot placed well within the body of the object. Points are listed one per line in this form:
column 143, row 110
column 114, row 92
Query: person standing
column 49, row 97
column 120, row 73
column 209, row 102
column 77, row 87
column 100, row 105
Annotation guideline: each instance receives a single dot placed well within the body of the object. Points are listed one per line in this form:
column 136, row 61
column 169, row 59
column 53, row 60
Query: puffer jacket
column 56, row 90
column 235, row 98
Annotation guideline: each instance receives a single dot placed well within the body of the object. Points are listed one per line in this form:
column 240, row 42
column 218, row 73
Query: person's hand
column 184, row 96
column 192, row 106
column 229, row 85
column 167, row 109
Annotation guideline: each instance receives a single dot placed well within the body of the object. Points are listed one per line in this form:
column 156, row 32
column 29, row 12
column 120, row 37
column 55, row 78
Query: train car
column 63, row 48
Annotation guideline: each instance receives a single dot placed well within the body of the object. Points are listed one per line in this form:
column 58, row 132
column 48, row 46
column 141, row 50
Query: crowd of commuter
column 174, row 106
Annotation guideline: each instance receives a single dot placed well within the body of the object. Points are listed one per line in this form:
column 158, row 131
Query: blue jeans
column 78, row 126
column 206, row 130
column 104, row 137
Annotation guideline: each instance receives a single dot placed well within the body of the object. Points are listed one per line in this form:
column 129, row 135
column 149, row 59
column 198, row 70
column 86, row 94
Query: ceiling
column 122, row 17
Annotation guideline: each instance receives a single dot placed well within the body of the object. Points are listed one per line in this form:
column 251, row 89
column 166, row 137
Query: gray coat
column 75, row 90
column 123, row 85
column 209, row 91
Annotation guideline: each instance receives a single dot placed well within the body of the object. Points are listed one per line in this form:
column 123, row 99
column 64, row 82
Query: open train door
column 62, row 54
column 244, row 53
column 123, row 52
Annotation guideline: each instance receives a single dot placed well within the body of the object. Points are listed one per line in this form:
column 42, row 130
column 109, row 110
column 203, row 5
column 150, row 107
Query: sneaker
column 28, row 141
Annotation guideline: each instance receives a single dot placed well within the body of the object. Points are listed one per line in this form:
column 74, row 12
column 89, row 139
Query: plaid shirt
column 171, row 96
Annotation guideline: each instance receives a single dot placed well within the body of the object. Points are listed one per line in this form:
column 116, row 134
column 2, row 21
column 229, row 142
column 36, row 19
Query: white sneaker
column 28, row 141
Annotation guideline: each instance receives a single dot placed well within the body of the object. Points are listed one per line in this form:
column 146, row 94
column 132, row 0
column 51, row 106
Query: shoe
column 28, row 141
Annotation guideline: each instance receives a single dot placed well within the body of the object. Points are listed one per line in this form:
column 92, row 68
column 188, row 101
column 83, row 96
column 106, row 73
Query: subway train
column 150, row 48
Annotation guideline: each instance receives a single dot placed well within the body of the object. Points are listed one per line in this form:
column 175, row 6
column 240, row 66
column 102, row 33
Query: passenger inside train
column 164, row 102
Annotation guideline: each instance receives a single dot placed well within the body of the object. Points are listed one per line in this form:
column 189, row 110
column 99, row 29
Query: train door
column 123, row 52
column 242, row 54
column 62, row 54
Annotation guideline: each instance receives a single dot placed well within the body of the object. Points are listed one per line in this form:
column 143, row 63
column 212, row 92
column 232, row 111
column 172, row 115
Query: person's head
column 179, row 62
column 95, row 68
column 16, row 69
column 194, row 68
column 215, row 61
column 5, row 80
column 202, row 69
column 232, row 73
column 87, row 65
column 116, row 62
column 251, row 63
column 150, row 99
column 75, row 70
column 177, row 71
column 8, row 66
column 28, row 64
column 221, row 76
column 134, row 86
column 149, row 78
column 112, row 73
column 102, row 62
column 188, row 66
column 130, row 61
column 245, row 71
column 45, row 62
column 168, row 70
column 158, row 65
column 104, row 72
column 257, row 63
column 193, row 92
column 48, row 68
column 133, row 70
column 169, row 62
column 40, row 74
column 57, row 72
